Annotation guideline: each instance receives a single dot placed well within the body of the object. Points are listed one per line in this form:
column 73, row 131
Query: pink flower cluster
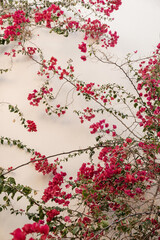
column 98, row 93
column 19, row 20
column 113, row 178
column 48, row 14
column 31, row 126
column 149, row 82
column 63, row 73
column 36, row 96
column 39, row 228
column 86, row 88
column 101, row 6
column 72, row 23
column 94, row 29
column 82, row 47
column 60, row 110
column 51, row 214
column 54, row 191
column 87, row 114
column 35, row 99
column 4, row 16
column 52, row 64
column 43, row 165
column 103, row 126
column 111, row 41
column 31, row 51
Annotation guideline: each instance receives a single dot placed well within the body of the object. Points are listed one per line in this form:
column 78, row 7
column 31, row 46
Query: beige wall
column 137, row 24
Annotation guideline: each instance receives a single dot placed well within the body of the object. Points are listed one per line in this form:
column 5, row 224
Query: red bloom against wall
column 116, row 189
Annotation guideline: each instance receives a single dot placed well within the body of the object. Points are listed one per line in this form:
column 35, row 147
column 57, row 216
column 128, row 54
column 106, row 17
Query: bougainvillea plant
column 118, row 188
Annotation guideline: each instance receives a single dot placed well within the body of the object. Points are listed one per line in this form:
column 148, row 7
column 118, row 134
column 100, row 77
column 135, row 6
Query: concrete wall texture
column 137, row 24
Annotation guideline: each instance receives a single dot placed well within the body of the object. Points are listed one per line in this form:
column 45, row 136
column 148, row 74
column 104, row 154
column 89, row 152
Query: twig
column 117, row 221
column 54, row 155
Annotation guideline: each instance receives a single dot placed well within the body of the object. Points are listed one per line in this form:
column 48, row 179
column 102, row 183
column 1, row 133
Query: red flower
column 129, row 177
column 18, row 234
column 44, row 229
column 113, row 134
column 83, row 58
column 67, row 219
column 128, row 140
column 51, row 214
column 82, row 47
column 31, row 126
column 158, row 46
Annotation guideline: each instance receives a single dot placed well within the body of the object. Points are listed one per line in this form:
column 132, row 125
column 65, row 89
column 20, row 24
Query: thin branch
column 124, row 72
column 54, row 155
column 93, row 98
column 29, row 198
column 136, row 60
column 117, row 221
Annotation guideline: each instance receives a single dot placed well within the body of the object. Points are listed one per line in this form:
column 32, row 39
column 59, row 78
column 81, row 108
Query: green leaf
column 14, row 191
column 19, row 197
column 27, row 190
column 104, row 223
column 11, row 180
column 7, row 189
column 11, row 108
column 75, row 230
column 69, row 211
column 14, row 142
column 35, row 219
column 135, row 105
column 5, row 198
column 1, row 188
column 65, row 231
column 84, row 193
column 28, row 207
column 41, row 214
